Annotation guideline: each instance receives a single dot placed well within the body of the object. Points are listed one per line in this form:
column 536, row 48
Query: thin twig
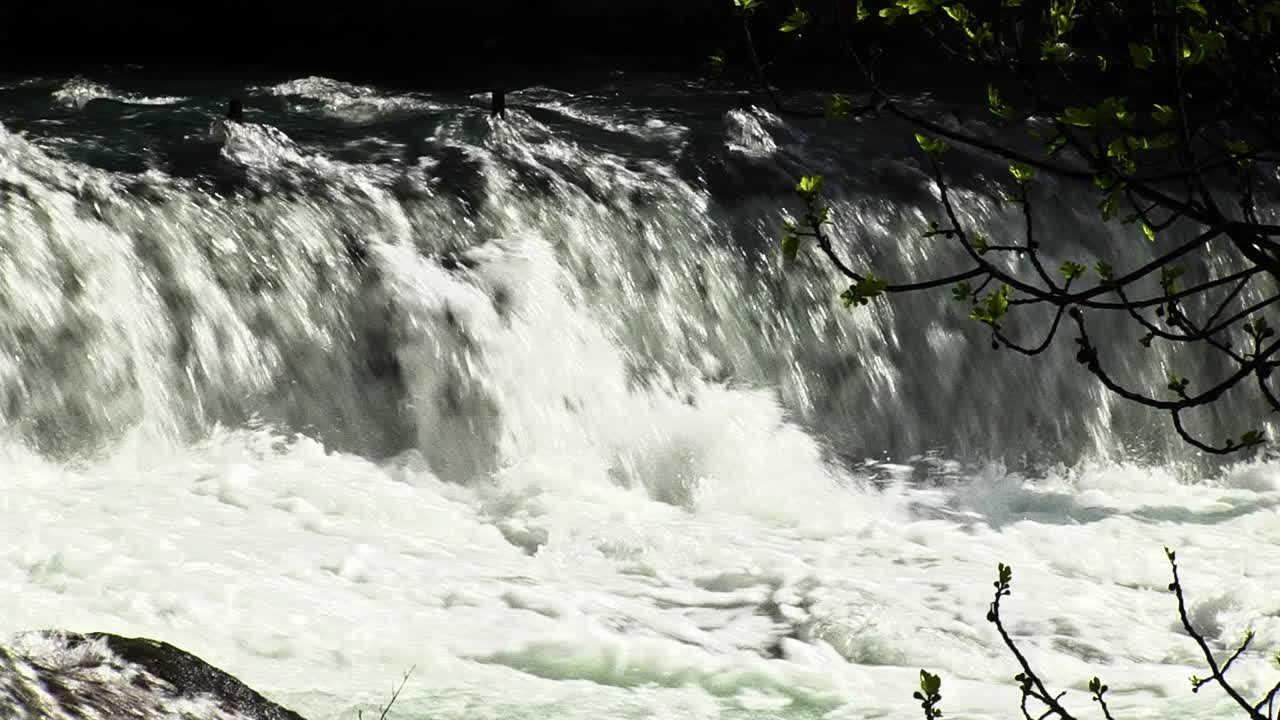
column 1176, row 587
column 394, row 696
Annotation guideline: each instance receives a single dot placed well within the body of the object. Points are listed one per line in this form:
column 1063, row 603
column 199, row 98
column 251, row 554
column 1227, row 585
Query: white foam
column 569, row 538
column 632, row 583
column 79, row 92
column 349, row 100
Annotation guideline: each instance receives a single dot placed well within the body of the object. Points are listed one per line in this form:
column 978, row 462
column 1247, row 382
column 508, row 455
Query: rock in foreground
column 54, row 675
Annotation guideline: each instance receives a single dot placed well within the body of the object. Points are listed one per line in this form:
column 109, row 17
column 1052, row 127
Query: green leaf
column 1118, row 148
column 1253, row 438
column 891, row 13
column 930, row 684
column 992, row 307
column 809, row 186
column 1062, row 13
column 1102, row 63
column 932, row 146
column 914, row 7
column 1071, row 270
column 1169, row 275
column 1162, row 114
column 1112, row 110
column 1193, row 6
column 748, row 5
column 862, row 12
column 981, row 244
column 1006, row 574
column 1055, row 144
column 861, row 292
column 1105, row 271
column 1237, row 148
column 1149, row 231
column 1078, row 117
column 1147, row 142
column 838, row 107
column 996, row 104
column 963, row 292
column 1259, row 329
column 1142, row 56
column 796, row 21
column 1205, row 46
column 1055, row 52
column 979, row 34
column 790, row 246
column 1021, row 172
column 1110, row 206
column 717, row 63
column 958, row 12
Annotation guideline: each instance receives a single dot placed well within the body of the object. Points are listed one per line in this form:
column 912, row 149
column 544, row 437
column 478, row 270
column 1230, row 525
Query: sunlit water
column 532, row 407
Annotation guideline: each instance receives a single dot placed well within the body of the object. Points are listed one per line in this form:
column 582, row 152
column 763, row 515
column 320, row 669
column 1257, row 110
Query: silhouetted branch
column 1166, row 167
column 1225, row 449
column 1089, row 359
column 1044, row 345
column 1033, row 687
column 1218, row 675
column 394, row 696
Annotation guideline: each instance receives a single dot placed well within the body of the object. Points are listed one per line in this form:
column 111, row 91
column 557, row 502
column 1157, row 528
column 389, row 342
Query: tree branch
column 1218, row 673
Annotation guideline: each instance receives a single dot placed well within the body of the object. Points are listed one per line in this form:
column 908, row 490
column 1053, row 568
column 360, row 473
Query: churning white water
column 529, row 405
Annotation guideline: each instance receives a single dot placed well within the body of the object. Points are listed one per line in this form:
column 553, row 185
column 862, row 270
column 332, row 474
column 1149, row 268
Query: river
column 532, row 406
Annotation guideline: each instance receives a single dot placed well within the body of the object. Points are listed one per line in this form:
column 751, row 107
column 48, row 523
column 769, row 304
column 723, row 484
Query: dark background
column 424, row 43
column 384, row 35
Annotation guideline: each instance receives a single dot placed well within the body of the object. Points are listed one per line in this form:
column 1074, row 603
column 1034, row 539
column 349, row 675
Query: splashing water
column 79, row 92
column 378, row 381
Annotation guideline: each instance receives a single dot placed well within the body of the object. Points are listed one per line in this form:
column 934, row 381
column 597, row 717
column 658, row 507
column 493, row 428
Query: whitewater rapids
column 531, row 406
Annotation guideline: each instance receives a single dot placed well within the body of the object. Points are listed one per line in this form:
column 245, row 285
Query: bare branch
column 1218, row 672
column 1225, row 449
column 1089, row 357
column 1044, row 345
column 1030, row 683
column 394, row 696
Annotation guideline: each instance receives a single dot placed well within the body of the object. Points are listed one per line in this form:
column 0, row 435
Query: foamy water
column 612, row 465
column 79, row 92
column 320, row 577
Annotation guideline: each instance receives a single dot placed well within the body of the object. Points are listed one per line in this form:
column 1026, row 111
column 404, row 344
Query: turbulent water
column 373, row 381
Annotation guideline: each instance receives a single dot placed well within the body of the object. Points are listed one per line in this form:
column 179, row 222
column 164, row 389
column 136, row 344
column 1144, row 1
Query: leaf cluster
column 1160, row 108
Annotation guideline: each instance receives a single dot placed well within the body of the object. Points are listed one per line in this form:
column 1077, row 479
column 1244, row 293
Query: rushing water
column 378, row 382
